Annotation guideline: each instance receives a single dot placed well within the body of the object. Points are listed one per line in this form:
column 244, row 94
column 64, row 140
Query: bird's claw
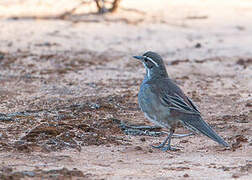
column 169, row 148
column 165, row 148
column 158, row 147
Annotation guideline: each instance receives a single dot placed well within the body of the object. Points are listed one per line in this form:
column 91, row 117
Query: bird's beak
column 141, row 58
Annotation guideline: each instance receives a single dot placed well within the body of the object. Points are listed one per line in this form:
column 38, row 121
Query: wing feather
column 176, row 102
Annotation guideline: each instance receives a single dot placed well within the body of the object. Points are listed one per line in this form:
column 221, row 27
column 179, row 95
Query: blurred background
column 161, row 25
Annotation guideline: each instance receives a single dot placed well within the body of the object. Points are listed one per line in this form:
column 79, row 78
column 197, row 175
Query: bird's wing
column 192, row 104
column 173, row 97
column 176, row 102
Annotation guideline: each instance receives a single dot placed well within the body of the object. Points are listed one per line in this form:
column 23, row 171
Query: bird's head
column 153, row 64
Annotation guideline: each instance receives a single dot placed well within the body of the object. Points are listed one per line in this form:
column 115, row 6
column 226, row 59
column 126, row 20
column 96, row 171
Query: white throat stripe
column 151, row 60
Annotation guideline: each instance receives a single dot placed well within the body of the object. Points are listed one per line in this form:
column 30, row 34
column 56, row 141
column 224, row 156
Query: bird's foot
column 158, row 147
column 169, row 148
column 165, row 148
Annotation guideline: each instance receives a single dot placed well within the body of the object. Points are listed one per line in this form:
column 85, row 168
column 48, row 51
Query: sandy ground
column 66, row 84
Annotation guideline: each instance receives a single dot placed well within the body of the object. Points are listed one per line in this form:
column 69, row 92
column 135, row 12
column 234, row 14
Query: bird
column 166, row 105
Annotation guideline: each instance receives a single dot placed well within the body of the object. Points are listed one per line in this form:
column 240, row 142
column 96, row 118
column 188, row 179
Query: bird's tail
column 196, row 123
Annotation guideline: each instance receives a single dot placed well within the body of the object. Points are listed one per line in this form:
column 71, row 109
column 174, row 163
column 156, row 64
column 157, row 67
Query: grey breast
column 150, row 104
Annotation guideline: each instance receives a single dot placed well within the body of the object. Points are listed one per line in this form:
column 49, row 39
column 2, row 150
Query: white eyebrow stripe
column 151, row 60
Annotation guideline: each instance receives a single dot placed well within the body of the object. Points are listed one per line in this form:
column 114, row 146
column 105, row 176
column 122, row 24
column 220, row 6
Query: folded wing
column 191, row 117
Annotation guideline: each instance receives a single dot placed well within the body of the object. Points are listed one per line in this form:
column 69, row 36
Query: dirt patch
column 68, row 125
column 64, row 173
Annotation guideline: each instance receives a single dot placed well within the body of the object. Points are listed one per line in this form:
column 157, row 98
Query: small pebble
column 186, row 175
column 150, row 151
column 249, row 104
column 138, row 148
column 198, row 45
column 235, row 176
column 142, row 139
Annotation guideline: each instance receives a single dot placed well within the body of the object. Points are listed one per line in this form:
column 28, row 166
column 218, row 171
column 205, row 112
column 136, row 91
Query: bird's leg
column 168, row 147
column 168, row 139
column 163, row 143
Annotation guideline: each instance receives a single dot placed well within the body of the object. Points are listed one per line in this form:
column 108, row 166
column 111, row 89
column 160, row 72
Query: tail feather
column 196, row 123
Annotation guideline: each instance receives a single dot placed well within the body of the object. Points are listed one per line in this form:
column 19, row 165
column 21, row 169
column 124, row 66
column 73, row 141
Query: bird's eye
column 145, row 59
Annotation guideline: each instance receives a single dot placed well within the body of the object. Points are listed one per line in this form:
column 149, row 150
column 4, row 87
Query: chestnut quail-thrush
column 165, row 104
